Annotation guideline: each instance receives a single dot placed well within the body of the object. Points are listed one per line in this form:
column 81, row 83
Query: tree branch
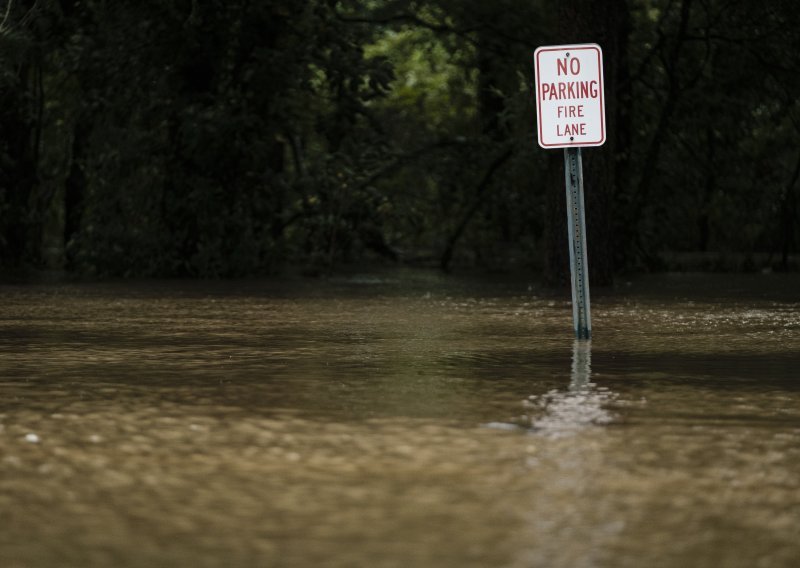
column 412, row 19
column 5, row 16
column 447, row 255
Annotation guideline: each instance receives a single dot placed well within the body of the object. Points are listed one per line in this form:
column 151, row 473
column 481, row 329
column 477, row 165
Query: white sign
column 570, row 106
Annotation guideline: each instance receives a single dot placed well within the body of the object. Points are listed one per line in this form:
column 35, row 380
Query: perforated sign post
column 570, row 114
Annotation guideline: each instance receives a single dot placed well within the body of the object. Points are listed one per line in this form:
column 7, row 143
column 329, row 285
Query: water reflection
column 583, row 404
column 565, row 457
column 565, row 412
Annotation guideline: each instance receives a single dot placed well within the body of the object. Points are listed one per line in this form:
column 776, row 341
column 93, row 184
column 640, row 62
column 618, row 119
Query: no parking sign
column 571, row 114
column 570, row 105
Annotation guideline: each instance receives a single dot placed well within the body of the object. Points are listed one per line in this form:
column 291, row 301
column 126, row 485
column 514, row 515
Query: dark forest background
column 222, row 138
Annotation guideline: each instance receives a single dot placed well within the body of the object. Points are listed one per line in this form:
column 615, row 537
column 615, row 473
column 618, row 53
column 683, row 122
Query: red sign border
column 599, row 50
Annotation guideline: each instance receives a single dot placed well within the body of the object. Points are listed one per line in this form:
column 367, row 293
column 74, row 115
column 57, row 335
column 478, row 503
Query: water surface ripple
column 399, row 420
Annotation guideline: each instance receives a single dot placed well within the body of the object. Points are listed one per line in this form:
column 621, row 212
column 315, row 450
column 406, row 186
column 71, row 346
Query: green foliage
column 435, row 85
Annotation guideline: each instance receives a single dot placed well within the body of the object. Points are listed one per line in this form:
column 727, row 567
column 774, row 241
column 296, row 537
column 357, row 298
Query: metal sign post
column 570, row 111
column 576, row 225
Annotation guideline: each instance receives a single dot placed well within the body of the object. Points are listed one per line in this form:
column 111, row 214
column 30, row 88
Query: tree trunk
column 490, row 99
column 789, row 215
column 604, row 22
column 19, row 179
column 75, row 188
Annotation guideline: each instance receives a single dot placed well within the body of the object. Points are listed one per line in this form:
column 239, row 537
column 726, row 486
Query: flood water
column 404, row 419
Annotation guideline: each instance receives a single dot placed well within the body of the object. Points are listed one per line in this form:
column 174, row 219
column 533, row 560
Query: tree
column 227, row 138
column 605, row 23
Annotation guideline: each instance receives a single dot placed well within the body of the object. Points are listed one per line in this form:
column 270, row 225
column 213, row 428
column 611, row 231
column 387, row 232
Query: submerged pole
column 578, row 263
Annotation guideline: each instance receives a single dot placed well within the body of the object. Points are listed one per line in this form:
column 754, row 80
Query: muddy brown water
column 404, row 419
